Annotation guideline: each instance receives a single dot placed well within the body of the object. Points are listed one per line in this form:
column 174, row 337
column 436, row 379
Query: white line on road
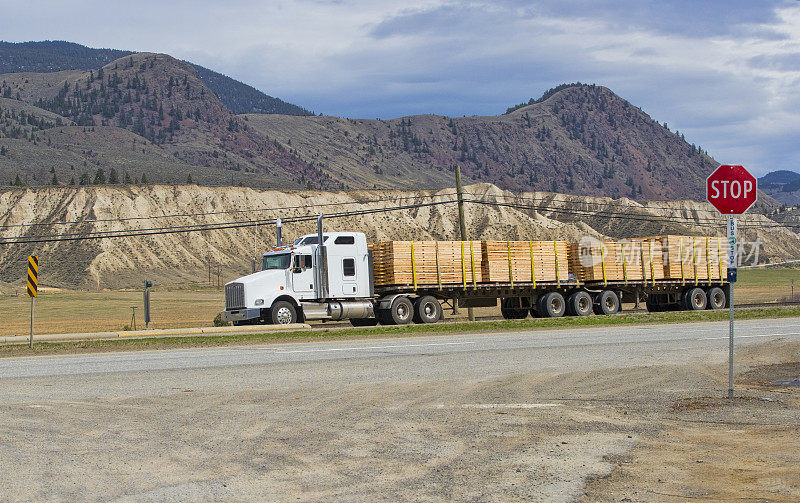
column 366, row 348
column 746, row 336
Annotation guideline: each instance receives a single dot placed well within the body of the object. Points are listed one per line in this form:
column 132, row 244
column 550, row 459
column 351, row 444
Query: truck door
column 302, row 274
column 349, row 279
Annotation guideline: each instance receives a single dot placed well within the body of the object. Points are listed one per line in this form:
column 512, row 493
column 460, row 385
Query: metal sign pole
column 30, row 342
column 732, row 270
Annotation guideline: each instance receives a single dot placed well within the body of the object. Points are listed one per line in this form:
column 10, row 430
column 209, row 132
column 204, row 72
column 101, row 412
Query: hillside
column 145, row 103
column 54, row 56
column 181, row 259
column 783, row 186
column 582, row 139
column 577, row 139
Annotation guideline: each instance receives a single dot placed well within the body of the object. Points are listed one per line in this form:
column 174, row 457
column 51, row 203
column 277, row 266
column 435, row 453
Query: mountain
column 578, row 139
column 55, row 56
column 783, row 186
column 154, row 116
column 780, row 177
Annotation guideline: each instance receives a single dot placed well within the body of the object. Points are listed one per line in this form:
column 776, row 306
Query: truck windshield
column 281, row 261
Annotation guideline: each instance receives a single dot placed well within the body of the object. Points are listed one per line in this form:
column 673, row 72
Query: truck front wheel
column 282, row 313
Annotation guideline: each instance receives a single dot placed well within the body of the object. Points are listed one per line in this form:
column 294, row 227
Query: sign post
column 32, row 287
column 732, row 190
column 733, row 264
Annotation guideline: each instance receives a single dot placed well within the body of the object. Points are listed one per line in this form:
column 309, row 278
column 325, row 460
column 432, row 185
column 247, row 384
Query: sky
column 724, row 73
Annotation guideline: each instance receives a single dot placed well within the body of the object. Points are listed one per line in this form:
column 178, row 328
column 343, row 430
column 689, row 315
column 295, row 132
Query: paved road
column 457, row 356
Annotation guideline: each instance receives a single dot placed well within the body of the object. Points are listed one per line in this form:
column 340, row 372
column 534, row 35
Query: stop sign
column 731, row 189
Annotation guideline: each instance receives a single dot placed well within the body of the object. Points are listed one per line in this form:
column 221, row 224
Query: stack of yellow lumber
column 504, row 261
column 426, row 262
column 694, row 258
column 593, row 261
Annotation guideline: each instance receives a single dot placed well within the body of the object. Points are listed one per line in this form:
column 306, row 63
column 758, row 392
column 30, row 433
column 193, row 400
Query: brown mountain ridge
column 151, row 115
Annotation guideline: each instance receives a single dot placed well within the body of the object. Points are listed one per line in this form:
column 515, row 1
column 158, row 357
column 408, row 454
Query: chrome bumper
column 241, row 314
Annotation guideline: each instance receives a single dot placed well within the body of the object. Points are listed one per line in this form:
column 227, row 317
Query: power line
column 207, row 227
column 222, row 212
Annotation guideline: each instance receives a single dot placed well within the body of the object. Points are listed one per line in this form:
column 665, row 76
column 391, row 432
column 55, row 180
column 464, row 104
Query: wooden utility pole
column 462, row 224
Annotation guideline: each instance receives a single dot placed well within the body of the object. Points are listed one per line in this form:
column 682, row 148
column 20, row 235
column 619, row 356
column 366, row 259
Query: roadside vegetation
column 336, row 333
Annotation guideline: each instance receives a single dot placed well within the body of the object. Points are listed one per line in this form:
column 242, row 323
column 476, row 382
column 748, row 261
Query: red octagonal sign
column 731, row 189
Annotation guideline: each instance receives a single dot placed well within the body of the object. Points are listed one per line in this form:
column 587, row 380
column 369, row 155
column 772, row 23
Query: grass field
column 82, row 311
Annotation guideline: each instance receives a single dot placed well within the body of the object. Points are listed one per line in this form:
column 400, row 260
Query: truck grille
column 234, row 296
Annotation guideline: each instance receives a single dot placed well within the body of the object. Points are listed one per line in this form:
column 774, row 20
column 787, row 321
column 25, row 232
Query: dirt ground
column 658, row 433
column 714, row 449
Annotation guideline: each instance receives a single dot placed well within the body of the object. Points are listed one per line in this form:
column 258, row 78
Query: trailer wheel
column 282, row 313
column 427, row 310
column 512, row 313
column 694, row 299
column 653, row 305
column 579, row 304
column 716, row 298
column 401, row 312
column 606, row 302
column 551, row 305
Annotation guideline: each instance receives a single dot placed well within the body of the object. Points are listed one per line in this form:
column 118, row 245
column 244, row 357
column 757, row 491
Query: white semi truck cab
column 306, row 280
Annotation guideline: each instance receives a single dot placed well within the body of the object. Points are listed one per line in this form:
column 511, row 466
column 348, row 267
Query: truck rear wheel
column 579, row 304
column 282, row 313
column 606, row 302
column 694, row 299
column 401, row 312
column 716, row 298
column 427, row 310
column 510, row 311
column 551, row 305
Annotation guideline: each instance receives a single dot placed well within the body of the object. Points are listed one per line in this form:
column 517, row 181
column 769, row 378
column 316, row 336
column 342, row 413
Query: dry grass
column 86, row 311
column 75, row 311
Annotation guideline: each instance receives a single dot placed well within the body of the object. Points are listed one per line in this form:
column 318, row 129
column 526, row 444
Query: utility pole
column 462, row 224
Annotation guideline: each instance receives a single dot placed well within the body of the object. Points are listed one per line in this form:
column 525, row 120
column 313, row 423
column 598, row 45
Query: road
column 350, row 419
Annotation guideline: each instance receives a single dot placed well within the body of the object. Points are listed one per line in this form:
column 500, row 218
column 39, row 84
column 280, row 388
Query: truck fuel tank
column 345, row 309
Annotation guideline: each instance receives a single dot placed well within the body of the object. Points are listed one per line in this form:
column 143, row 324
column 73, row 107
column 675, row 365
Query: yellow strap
column 719, row 258
column 472, row 263
column 463, row 267
column 510, row 271
column 624, row 268
column 644, row 268
column 438, row 273
column 694, row 258
column 708, row 260
column 603, row 262
column 555, row 248
column 413, row 266
column 680, row 252
column 652, row 267
column 533, row 266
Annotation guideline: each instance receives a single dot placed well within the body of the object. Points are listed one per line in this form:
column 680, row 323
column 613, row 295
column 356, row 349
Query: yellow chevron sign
column 33, row 275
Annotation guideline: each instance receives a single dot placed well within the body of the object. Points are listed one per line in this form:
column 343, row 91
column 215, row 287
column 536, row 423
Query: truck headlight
column 259, row 302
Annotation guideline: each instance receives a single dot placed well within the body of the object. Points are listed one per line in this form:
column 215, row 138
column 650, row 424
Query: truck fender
column 386, row 302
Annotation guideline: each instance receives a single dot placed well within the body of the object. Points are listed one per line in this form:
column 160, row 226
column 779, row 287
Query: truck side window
column 345, row 240
column 349, row 267
column 307, row 261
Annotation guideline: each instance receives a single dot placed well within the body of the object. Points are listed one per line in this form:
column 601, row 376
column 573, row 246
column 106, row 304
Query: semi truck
column 329, row 276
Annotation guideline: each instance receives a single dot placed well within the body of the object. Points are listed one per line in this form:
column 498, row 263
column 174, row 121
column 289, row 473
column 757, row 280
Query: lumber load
column 426, row 262
column 602, row 261
column 694, row 258
column 524, row 261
